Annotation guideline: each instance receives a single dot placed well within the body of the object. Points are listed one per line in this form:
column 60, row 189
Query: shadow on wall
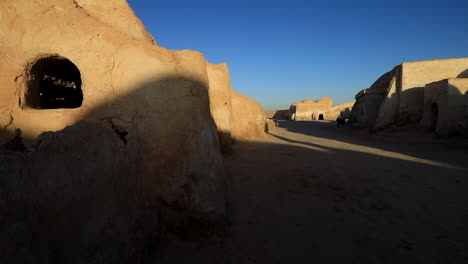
column 107, row 188
column 446, row 113
column 411, row 106
column 415, row 106
column 464, row 74
column 281, row 114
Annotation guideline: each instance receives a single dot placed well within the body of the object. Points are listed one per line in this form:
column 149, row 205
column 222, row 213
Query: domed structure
column 321, row 109
column 325, row 100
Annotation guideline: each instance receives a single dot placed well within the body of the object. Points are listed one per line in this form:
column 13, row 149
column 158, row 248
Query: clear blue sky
column 279, row 52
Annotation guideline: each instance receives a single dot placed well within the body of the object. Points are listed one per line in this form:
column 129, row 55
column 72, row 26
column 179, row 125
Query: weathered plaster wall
column 325, row 101
column 154, row 101
column 309, row 110
column 220, row 102
column 248, row 118
column 160, row 97
column 335, row 111
column 71, row 200
column 118, row 15
column 404, row 100
column 387, row 112
column 415, row 75
column 446, row 107
column 278, row 114
column 365, row 110
column 369, row 101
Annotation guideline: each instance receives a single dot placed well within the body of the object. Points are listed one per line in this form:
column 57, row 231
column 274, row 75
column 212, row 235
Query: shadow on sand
column 329, row 205
column 424, row 146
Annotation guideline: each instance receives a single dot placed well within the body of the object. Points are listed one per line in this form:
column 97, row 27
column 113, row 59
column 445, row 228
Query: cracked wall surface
column 145, row 119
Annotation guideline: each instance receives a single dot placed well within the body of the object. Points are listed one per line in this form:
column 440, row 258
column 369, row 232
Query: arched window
column 321, row 117
column 53, row 82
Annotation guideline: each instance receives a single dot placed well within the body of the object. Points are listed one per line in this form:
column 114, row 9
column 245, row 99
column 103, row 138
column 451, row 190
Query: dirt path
column 314, row 193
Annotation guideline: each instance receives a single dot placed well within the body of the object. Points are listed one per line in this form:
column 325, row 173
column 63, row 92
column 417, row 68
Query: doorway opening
column 53, row 82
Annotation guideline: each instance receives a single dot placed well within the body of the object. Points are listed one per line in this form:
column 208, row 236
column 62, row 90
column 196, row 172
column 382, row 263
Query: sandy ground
column 315, row 193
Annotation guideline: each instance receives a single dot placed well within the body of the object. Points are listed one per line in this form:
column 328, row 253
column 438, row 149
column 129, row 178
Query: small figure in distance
column 340, row 121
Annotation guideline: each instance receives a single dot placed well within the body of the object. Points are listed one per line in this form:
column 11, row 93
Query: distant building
column 321, row 109
column 405, row 94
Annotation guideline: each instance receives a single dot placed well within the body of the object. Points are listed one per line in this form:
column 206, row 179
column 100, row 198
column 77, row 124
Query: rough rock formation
column 398, row 97
column 134, row 130
column 248, row 118
column 321, row 109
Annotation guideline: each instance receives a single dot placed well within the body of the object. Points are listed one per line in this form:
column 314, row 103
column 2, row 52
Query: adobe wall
column 154, row 102
column 335, row 111
column 310, row 111
column 248, row 118
column 220, row 102
column 278, row 114
column 446, row 107
column 415, row 75
column 404, row 100
column 387, row 113
column 368, row 101
column 117, row 14
column 366, row 108
column 327, row 101
column 164, row 106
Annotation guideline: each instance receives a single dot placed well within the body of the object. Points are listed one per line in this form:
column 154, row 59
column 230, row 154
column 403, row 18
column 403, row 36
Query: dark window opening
column 434, row 116
column 321, row 117
column 54, row 82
